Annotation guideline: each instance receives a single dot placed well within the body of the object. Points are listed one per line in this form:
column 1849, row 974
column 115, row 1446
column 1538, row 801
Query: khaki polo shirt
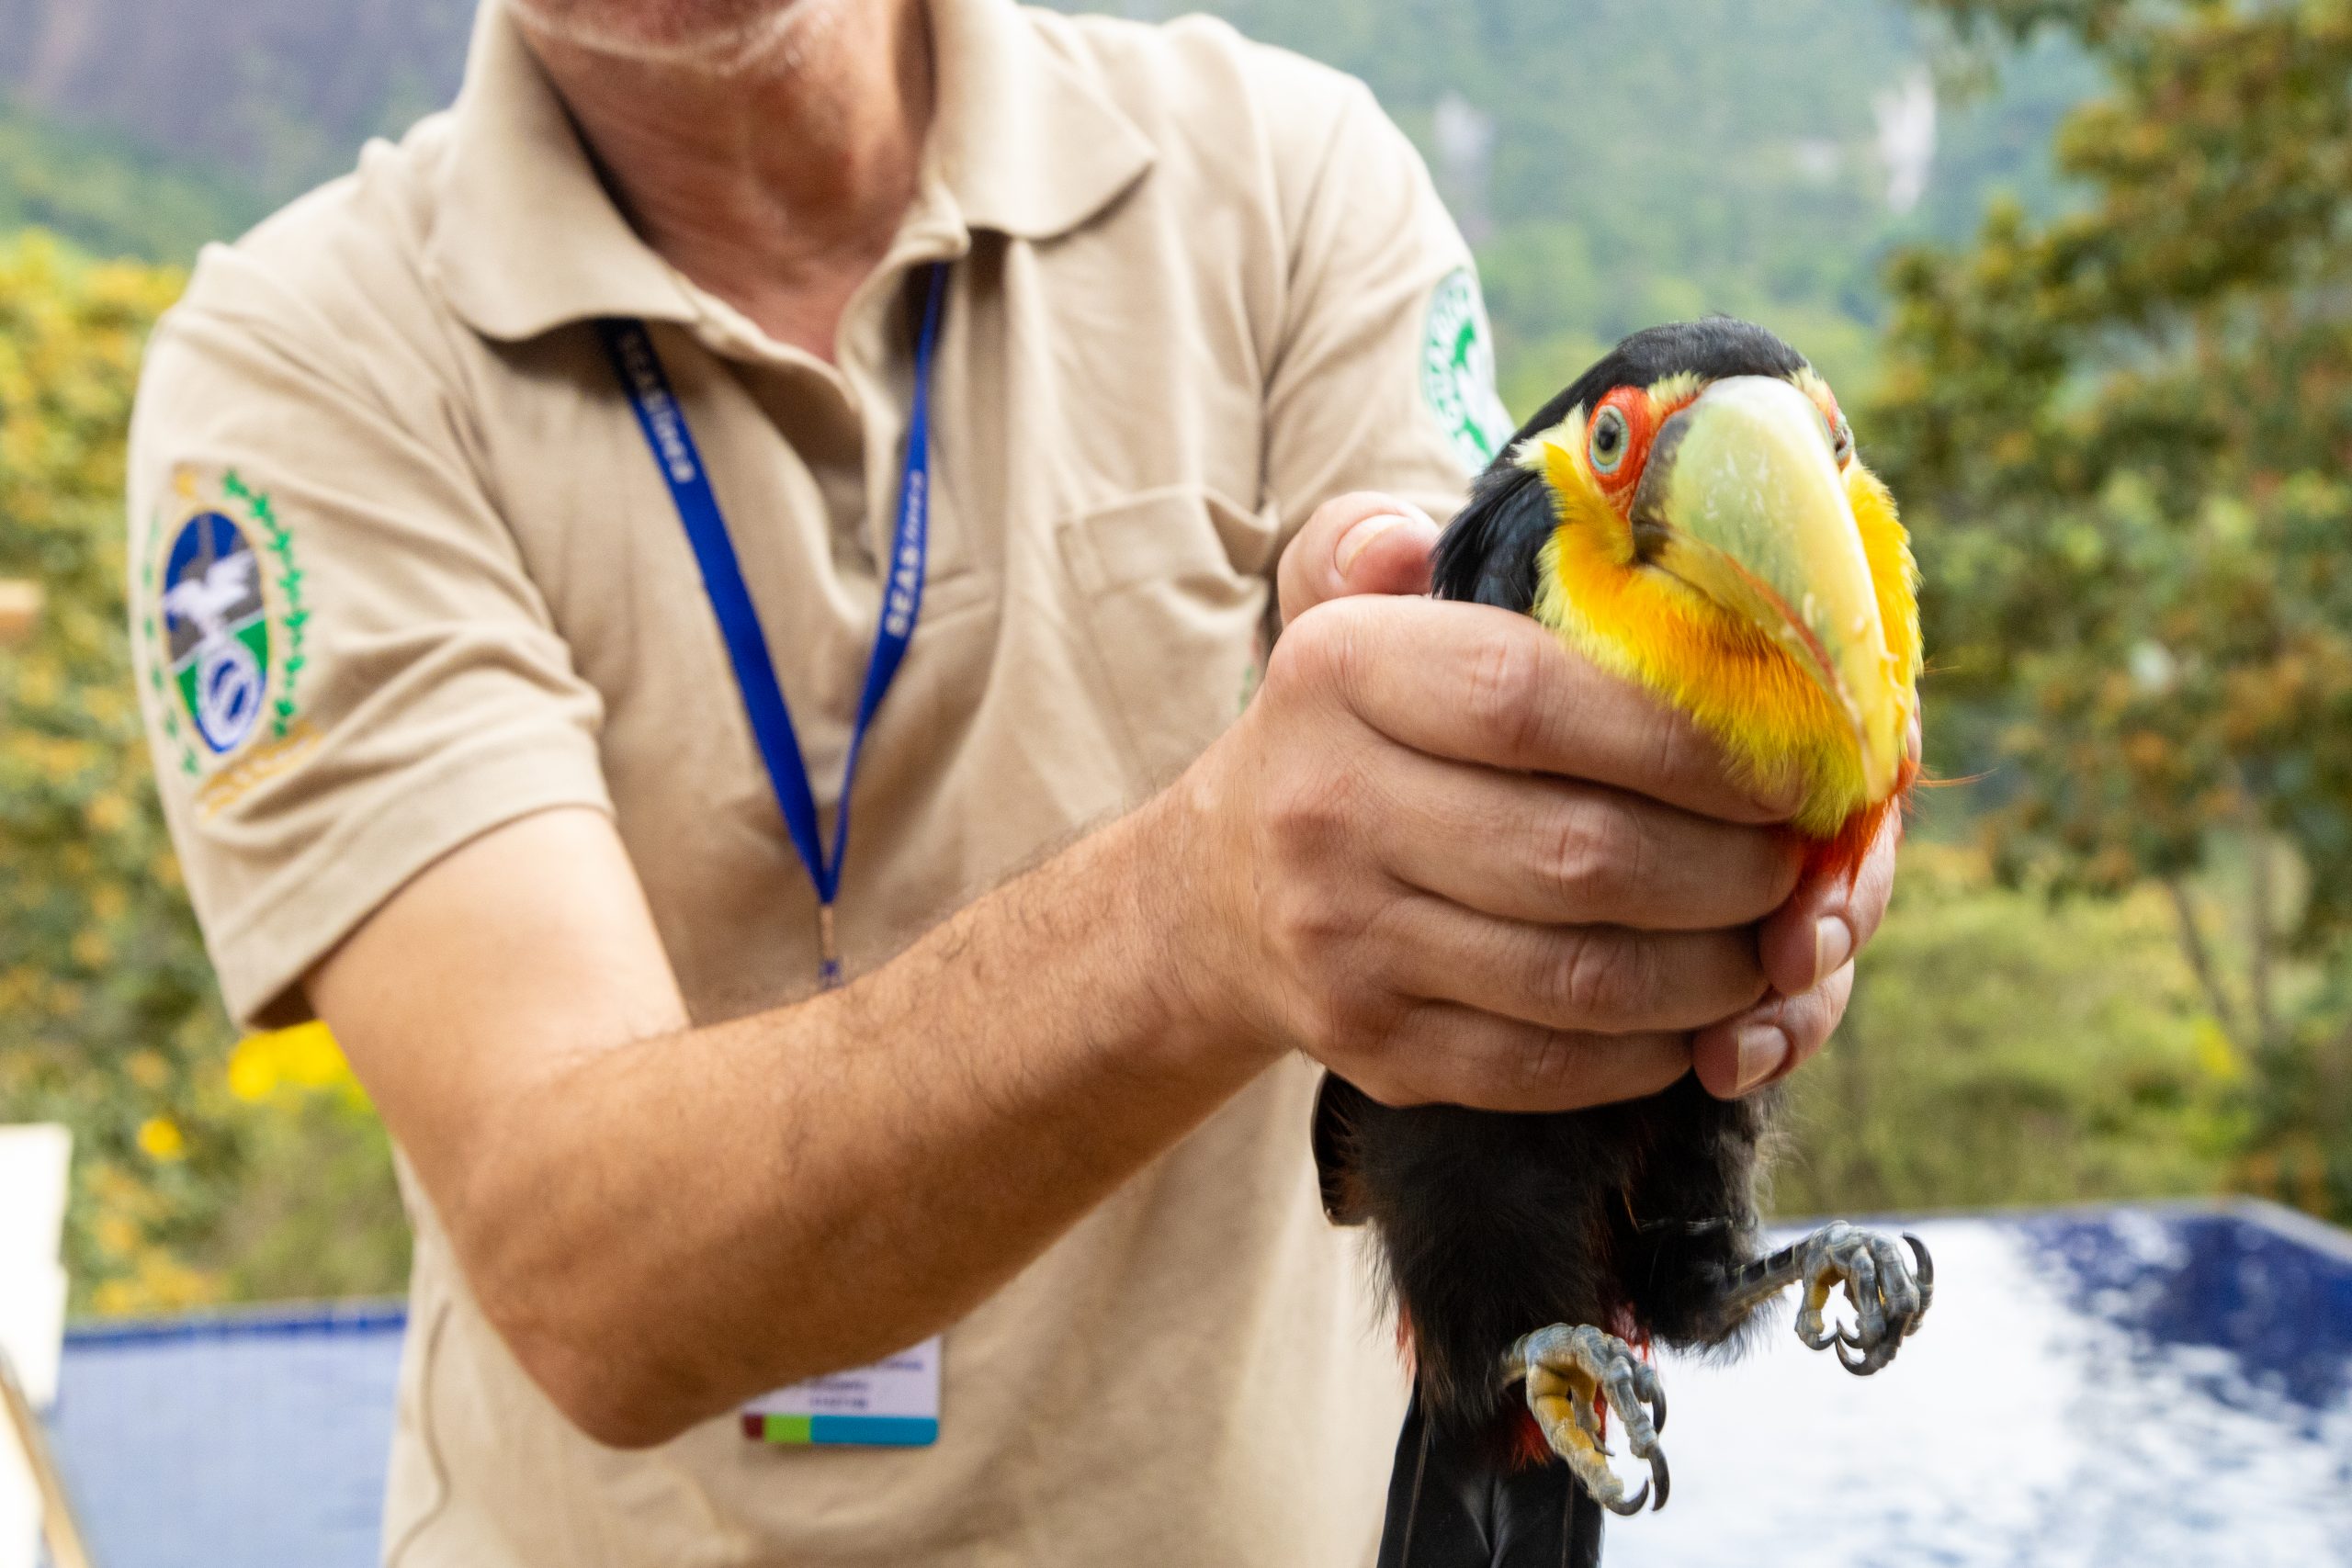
column 404, row 571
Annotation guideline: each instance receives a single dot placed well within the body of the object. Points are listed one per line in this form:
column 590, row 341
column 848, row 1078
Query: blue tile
column 222, row 1442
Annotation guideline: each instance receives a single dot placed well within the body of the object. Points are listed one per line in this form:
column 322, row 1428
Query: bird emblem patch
column 216, row 628
column 223, row 618
column 1458, row 372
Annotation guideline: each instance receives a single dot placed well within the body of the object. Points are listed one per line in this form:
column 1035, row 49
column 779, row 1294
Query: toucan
column 1691, row 515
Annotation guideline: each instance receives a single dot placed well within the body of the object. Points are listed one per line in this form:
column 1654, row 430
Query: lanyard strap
column 674, row 454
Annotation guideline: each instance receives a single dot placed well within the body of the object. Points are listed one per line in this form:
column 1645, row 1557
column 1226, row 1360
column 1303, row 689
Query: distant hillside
column 1621, row 162
column 1617, row 162
column 112, row 196
column 279, row 92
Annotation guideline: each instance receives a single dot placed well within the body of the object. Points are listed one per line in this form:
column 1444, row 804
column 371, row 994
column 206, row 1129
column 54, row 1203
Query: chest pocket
column 1175, row 622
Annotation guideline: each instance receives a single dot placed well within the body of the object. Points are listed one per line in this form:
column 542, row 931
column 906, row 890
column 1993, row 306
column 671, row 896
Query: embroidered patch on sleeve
column 224, row 619
column 1458, row 371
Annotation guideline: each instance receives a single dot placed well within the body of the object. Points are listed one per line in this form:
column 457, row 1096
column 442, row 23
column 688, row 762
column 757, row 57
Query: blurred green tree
column 1647, row 162
column 110, row 197
column 100, row 967
column 2121, row 436
column 108, row 1017
column 2002, row 1051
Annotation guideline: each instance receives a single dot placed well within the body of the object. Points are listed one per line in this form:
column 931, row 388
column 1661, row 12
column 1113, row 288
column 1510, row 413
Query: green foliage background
column 1650, row 159
column 103, row 985
column 111, row 197
column 2001, row 1050
column 190, row 1184
column 2125, row 428
column 2106, row 365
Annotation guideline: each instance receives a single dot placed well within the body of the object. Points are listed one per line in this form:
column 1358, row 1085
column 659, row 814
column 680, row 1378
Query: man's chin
column 720, row 36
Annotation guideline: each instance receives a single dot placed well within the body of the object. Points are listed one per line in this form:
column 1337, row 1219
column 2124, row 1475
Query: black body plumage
column 1629, row 1217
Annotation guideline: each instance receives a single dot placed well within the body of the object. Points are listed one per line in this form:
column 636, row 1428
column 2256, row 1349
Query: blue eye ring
column 1841, row 440
column 1608, row 441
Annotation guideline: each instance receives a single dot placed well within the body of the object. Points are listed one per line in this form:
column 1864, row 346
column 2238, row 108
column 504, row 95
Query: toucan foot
column 1888, row 1291
column 1571, row 1374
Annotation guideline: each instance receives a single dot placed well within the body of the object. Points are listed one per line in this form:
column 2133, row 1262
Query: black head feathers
column 1714, row 347
column 1489, row 555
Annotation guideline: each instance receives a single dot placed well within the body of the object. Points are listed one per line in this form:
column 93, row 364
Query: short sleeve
column 345, row 669
column 1384, row 377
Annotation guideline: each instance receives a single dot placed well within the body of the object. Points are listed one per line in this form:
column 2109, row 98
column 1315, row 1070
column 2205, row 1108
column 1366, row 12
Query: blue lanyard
column 664, row 424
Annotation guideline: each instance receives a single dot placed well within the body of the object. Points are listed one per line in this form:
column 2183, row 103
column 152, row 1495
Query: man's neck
column 778, row 181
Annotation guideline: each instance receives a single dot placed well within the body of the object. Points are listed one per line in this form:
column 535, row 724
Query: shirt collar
column 524, row 238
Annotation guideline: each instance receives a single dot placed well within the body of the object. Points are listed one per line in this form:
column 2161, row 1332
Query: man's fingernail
column 1833, row 943
column 1358, row 539
column 1762, row 1048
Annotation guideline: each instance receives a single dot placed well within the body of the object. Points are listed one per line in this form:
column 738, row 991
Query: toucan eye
column 1609, row 440
column 1841, row 439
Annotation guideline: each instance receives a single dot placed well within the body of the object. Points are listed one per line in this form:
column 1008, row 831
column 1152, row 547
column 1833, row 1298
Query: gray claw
column 1569, row 1374
column 1925, row 1274
column 1888, row 1295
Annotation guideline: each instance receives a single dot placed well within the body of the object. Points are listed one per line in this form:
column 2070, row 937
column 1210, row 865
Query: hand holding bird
column 1570, row 839
column 1691, row 515
column 1542, row 872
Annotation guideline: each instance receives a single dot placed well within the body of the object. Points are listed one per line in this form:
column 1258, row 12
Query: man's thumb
column 1358, row 543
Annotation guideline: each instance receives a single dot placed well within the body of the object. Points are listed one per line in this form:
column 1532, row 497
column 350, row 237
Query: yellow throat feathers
column 1641, row 622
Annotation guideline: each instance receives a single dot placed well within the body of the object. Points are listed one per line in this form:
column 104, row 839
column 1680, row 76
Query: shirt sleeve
column 345, row 669
column 1384, row 377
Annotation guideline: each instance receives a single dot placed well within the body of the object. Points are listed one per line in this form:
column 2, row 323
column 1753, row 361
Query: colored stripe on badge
column 844, row 1431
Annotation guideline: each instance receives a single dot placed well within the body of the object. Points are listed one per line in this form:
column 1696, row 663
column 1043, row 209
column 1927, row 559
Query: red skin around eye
column 1641, row 424
column 1643, row 415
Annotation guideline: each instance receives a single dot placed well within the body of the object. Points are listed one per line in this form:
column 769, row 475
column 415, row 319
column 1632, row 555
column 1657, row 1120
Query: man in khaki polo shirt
column 457, row 757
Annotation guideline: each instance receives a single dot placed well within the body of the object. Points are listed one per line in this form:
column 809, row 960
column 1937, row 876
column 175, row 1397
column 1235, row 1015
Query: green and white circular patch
column 1458, row 371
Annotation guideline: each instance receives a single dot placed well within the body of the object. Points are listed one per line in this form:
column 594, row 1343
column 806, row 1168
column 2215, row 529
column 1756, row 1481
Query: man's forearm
column 644, row 1226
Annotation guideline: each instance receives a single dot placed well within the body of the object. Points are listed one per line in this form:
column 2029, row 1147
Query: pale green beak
column 1742, row 499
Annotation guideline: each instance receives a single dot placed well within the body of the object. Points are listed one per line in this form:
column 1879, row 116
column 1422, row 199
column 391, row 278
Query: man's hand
column 1456, row 862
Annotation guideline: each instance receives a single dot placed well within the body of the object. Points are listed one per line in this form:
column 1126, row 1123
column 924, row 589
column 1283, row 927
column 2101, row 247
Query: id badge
column 893, row 1403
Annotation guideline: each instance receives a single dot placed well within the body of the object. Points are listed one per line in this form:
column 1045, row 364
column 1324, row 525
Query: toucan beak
column 1742, row 499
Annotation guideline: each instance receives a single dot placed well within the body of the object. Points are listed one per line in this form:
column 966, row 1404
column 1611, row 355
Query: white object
column 33, row 1162
column 892, row 1401
column 1907, row 139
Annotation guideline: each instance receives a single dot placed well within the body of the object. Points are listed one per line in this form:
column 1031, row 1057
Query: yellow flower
column 252, row 1072
column 305, row 1057
column 37, row 685
column 2215, row 1054
column 158, row 1283
column 312, row 1058
column 160, row 1138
